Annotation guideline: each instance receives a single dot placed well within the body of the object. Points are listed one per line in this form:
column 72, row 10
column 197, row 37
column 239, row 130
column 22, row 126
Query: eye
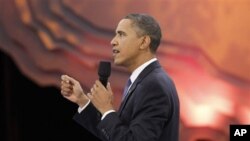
column 121, row 34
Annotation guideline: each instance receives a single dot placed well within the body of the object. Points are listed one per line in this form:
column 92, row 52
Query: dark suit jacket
column 150, row 112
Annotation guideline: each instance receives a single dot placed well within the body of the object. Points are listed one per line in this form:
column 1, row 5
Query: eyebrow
column 120, row 32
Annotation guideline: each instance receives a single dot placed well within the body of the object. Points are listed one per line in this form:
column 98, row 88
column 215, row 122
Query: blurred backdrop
column 205, row 49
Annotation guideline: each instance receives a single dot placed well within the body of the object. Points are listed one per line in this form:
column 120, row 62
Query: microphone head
column 104, row 69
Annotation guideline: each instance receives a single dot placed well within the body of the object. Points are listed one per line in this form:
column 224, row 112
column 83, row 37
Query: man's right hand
column 72, row 90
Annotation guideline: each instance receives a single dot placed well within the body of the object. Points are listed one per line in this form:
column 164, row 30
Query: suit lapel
column 142, row 75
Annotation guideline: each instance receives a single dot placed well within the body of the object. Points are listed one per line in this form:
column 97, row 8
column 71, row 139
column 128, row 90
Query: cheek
column 128, row 47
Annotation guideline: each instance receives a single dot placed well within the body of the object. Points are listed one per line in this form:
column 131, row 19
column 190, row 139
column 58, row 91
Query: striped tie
column 126, row 89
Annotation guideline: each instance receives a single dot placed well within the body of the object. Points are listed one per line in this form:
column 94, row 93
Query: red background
column 205, row 49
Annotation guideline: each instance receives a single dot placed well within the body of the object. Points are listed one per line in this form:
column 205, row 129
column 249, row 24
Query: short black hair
column 148, row 26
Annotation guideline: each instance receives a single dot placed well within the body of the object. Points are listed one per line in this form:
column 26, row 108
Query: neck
column 140, row 62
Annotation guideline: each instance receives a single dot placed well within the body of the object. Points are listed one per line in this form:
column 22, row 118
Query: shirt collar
column 137, row 71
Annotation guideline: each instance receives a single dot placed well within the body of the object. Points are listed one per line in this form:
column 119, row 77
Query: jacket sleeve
column 150, row 116
column 89, row 119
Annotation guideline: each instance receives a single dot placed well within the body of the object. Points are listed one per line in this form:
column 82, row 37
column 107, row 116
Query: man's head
column 147, row 26
column 136, row 41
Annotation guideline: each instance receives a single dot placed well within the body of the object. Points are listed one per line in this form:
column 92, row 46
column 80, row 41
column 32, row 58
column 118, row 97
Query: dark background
column 205, row 49
column 32, row 113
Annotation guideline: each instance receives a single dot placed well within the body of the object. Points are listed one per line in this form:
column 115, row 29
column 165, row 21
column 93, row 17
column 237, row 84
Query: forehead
column 124, row 24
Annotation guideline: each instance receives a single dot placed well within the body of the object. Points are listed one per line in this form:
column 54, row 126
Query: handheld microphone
column 104, row 71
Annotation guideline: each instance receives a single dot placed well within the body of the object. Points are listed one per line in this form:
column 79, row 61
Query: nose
column 113, row 42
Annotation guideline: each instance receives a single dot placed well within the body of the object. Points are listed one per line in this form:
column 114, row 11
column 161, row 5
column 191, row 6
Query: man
column 150, row 107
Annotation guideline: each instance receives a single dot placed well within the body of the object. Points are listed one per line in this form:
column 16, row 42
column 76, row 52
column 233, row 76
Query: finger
column 67, row 89
column 68, row 79
column 99, row 84
column 96, row 91
column 95, row 86
column 65, row 84
column 64, row 78
column 92, row 90
column 90, row 96
column 109, row 89
column 64, row 93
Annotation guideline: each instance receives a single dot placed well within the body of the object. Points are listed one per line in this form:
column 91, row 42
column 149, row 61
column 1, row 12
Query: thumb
column 109, row 88
column 69, row 79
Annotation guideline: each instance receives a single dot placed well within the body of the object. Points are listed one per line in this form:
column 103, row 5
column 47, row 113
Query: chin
column 117, row 62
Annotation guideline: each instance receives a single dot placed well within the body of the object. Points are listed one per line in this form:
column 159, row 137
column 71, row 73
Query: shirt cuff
column 80, row 109
column 106, row 113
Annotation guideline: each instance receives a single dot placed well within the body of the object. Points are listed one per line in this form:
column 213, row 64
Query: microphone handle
column 104, row 81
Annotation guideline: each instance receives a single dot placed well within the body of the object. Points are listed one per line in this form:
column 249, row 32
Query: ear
column 145, row 42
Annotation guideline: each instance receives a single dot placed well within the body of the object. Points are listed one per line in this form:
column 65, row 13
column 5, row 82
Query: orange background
column 205, row 49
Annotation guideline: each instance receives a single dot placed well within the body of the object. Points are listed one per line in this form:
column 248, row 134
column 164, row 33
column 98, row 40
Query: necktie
column 126, row 89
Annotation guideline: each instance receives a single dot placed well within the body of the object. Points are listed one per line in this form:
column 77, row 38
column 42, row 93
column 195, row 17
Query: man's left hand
column 101, row 97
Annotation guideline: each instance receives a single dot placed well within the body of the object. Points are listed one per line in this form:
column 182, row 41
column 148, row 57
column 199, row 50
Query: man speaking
column 150, row 107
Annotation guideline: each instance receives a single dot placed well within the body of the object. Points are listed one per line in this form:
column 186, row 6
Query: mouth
column 115, row 52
